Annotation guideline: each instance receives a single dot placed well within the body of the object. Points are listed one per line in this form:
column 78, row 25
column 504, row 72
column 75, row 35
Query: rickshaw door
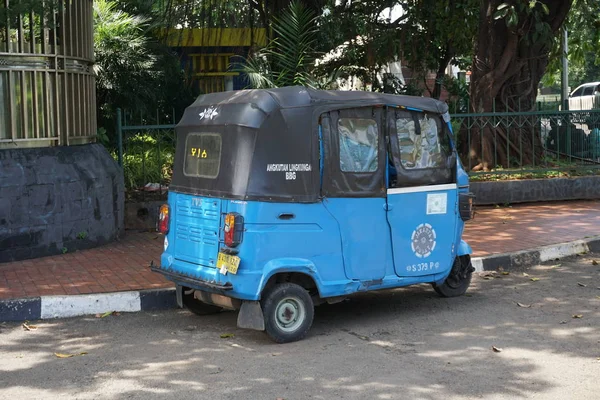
column 353, row 187
column 422, row 193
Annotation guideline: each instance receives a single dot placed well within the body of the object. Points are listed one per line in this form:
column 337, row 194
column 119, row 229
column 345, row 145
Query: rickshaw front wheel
column 288, row 311
column 457, row 283
column 196, row 306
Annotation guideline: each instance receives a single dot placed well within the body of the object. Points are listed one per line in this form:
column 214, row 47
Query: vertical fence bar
column 119, row 138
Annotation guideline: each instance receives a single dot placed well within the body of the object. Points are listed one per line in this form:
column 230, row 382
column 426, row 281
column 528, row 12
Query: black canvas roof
column 297, row 96
column 266, row 131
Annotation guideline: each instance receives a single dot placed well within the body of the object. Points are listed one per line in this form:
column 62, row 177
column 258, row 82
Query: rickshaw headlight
column 163, row 219
column 234, row 227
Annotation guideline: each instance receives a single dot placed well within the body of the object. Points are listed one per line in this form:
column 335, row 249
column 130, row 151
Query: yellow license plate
column 231, row 263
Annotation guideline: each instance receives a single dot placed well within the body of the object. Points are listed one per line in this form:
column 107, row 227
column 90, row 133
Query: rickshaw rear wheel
column 288, row 311
column 459, row 280
column 196, row 306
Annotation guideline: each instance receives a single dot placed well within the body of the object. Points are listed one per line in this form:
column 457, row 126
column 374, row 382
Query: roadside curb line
column 65, row 306
column 520, row 259
column 48, row 307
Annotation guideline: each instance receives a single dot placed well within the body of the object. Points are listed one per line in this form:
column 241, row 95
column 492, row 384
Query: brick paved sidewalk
column 124, row 265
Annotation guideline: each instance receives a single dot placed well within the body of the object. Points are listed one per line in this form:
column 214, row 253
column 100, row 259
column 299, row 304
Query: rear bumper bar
column 192, row 282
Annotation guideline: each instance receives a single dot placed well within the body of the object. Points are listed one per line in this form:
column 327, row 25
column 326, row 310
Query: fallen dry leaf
column 28, row 327
column 577, row 315
column 581, row 284
column 496, row 349
column 525, row 274
column 555, row 266
column 226, row 335
column 534, row 279
column 505, row 273
column 63, row 355
column 106, row 314
column 524, row 305
column 598, row 297
column 594, row 262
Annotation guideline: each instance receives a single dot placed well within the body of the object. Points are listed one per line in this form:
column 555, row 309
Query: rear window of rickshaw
column 202, row 155
column 427, row 148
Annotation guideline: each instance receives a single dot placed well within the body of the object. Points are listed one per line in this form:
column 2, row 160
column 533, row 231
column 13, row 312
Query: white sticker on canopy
column 290, row 170
column 437, row 203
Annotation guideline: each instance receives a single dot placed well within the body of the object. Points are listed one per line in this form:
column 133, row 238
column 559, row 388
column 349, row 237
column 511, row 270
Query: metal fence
column 145, row 150
column 518, row 143
column 530, row 141
column 47, row 84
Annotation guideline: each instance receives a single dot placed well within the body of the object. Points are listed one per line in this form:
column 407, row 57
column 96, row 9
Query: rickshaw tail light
column 234, row 228
column 163, row 219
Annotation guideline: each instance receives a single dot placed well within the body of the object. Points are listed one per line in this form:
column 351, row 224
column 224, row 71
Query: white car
column 585, row 97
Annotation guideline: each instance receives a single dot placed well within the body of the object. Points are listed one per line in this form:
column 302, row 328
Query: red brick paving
column 124, row 265
column 507, row 229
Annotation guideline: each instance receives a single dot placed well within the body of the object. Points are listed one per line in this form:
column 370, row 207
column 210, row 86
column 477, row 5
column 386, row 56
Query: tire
column 459, row 280
column 288, row 311
column 196, row 306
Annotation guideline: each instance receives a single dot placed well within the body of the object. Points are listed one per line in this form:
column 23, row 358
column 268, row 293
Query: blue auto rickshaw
column 283, row 199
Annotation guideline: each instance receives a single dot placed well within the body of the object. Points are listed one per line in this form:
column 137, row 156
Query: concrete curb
column 48, row 307
column 520, row 259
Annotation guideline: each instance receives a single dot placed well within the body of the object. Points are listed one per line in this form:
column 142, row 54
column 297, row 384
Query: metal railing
column 517, row 143
column 146, row 150
column 529, row 141
column 47, row 82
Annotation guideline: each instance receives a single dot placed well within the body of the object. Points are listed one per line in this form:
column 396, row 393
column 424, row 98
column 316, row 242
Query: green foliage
column 288, row 59
column 427, row 36
column 134, row 71
column 82, row 235
column 458, row 90
column 583, row 25
column 148, row 158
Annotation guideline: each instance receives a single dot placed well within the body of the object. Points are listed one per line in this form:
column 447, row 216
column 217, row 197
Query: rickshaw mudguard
column 464, row 249
column 308, row 268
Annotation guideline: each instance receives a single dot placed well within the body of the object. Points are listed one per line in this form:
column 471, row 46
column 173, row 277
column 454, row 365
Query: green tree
column 134, row 71
column 289, row 58
column 425, row 35
column 512, row 52
column 583, row 25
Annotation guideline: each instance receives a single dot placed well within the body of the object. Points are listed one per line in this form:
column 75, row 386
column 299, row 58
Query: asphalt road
column 400, row 344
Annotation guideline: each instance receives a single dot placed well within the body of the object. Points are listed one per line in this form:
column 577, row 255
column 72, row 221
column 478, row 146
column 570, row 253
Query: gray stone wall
column 58, row 199
column 532, row 190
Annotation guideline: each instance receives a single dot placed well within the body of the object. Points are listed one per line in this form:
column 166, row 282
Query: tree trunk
column 507, row 68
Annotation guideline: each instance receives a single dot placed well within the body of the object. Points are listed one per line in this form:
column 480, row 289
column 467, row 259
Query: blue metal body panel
column 464, row 249
column 345, row 245
column 424, row 237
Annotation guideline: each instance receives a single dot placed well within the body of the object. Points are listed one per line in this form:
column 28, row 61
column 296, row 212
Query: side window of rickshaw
column 358, row 144
column 422, row 146
column 202, row 155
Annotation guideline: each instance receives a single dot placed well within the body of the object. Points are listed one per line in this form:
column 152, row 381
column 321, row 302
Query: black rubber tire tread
column 446, row 290
column 198, row 307
column 269, row 303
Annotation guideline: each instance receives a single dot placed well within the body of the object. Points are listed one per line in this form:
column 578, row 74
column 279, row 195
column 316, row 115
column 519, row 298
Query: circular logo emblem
column 423, row 240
